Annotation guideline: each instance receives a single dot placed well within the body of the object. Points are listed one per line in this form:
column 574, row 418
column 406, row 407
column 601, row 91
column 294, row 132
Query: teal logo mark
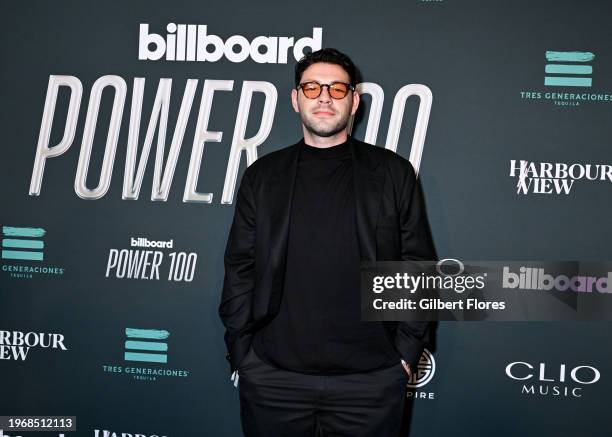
column 22, row 243
column 143, row 345
column 568, row 69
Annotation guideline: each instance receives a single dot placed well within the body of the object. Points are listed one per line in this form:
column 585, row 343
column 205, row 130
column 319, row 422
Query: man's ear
column 294, row 101
column 355, row 102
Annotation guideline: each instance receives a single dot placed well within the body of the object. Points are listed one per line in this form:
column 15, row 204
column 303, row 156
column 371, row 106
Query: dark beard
column 325, row 133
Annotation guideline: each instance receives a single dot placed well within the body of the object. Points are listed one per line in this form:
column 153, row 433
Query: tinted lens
column 311, row 90
column 338, row 90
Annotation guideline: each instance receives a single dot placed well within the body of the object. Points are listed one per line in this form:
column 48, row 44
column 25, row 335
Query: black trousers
column 279, row 403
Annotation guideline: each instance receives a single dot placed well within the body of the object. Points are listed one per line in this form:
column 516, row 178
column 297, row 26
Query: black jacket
column 391, row 225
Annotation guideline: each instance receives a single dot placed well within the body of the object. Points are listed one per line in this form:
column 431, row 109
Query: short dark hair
column 330, row 56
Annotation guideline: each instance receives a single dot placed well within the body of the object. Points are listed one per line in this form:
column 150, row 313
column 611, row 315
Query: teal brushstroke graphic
column 154, row 346
column 23, row 244
column 153, row 334
column 567, row 81
column 568, row 69
column 151, row 358
column 24, row 255
column 146, row 346
column 569, row 56
column 10, row 231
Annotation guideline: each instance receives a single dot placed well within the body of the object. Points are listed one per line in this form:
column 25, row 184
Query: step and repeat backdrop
column 126, row 127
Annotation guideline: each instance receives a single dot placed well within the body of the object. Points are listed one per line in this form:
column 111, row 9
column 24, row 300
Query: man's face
column 324, row 116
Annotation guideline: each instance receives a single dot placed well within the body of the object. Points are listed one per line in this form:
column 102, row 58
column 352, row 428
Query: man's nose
column 324, row 97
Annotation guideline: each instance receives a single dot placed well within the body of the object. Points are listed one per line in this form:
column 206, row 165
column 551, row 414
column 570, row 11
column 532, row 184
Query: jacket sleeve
column 416, row 244
column 239, row 278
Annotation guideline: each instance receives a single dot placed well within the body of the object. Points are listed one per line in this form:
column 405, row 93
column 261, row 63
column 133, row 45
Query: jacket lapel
column 368, row 182
column 280, row 215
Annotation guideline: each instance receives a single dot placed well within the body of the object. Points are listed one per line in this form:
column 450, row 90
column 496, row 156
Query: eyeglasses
column 337, row 90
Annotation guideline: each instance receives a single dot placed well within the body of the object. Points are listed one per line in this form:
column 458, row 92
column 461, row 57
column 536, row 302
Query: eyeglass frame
column 328, row 85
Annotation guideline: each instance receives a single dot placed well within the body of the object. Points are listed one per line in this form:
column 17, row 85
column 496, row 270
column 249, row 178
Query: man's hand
column 407, row 368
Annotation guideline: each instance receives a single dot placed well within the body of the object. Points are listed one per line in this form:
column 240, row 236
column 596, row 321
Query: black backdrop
column 484, row 64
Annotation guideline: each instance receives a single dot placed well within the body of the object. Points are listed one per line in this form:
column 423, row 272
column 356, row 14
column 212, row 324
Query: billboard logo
column 22, row 243
column 145, row 242
column 143, row 345
column 530, row 278
column 568, row 69
column 144, row 260
column 191, row 42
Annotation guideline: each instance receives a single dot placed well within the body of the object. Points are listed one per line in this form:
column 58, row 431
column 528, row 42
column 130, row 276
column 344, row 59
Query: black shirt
column 318, row 328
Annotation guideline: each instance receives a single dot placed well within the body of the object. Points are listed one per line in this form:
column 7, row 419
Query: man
column 305, row 217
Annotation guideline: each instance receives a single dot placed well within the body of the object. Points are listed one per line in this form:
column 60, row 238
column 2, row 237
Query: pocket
column 247, row 359
column 404, row 373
